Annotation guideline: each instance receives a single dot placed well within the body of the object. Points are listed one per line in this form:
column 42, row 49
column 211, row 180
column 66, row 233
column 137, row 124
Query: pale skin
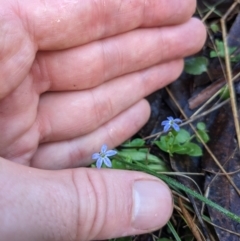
column 74, row 75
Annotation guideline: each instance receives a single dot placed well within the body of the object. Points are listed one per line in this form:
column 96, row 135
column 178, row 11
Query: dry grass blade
column 206, row 220
column 189, row 220
column 229, row 72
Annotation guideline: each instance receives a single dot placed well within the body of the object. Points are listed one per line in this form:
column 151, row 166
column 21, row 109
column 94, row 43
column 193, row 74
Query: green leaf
column 180, row 149
column 118, row 165
column 196, row 65
column 158, row 168
column 193, row 149
column 201, row 126
column 139, row 156
column 169, row 138
column 213, row 54
column 220, row 50
column 162, row 144
column 214, row 27
column 138, row 142
column 224, row 93
column 235, row 58
column 182, row 136
column 203, row 135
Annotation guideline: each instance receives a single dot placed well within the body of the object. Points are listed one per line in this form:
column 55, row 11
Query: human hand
column 73, row 76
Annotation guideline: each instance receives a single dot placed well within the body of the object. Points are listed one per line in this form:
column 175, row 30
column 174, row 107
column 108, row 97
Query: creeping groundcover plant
column 173, row 140
column 134, row 155
column 179, row 140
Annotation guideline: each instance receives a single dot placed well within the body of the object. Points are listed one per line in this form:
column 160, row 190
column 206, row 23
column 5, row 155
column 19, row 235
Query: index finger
column 59, row 24
column 62, row 24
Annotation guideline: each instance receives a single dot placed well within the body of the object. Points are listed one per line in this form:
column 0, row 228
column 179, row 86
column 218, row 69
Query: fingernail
column 152, row 204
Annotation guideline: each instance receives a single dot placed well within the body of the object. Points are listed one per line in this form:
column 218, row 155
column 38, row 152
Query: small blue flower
column 102, row 156
column 170, row 122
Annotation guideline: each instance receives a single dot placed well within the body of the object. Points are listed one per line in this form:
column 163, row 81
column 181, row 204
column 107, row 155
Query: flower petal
column 170, row 118
column 99, row 162
column 103, row 148
column 95, row 156
column 111, row 153
column 166, row 127
column 107, row 162
column 175, row 127
column 164, row 122
column 177, row 120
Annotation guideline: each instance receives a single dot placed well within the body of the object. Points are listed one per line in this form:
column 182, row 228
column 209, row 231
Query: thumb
column 79, row 204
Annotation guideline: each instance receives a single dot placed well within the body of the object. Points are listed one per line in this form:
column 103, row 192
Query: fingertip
column 195, row 35
column 152, row 204
column 201, row 33
column 128, row 203
column 145, row 106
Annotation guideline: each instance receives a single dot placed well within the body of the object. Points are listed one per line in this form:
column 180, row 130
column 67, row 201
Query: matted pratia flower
column 171, row 122
column 102, row 156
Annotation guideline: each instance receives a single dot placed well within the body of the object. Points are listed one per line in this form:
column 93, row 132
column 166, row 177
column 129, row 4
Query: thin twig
column 229, row 73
